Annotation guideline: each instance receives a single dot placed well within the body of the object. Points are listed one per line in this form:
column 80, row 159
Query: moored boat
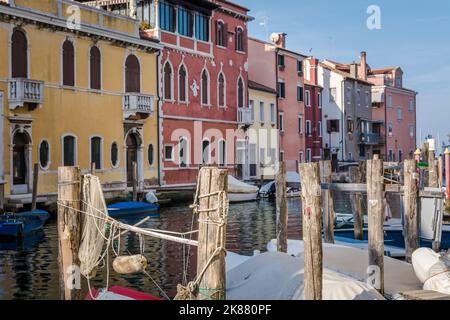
column 20, row 224
column 239, row 191
column 132, row 208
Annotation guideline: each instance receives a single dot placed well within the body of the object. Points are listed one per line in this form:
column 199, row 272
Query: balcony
column 245, row 116
column 370, row 139
column 22, row 92
column 135, row 104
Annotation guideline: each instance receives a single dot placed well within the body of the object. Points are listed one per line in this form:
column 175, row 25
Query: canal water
column 29, row 269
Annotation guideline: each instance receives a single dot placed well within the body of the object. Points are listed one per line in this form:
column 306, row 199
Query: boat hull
column 23, row 223
column 128, row 209
column 242, row 197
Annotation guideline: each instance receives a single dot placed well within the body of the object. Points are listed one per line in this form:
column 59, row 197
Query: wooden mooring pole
column 312, row 230
column 93, row 166
column 375, row 207
column 410, row 207
column 328, row 203
column 447, row 173
column 357, row 175
column 432, row 176
column 69, row 231
column 282, row 209
column 440, row 169
column 212, row 235
column 135, row 182
column 35, row 187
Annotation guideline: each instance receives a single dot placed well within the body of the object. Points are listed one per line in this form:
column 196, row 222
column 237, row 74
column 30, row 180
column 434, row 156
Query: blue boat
column 20, row 224
column 132, row 208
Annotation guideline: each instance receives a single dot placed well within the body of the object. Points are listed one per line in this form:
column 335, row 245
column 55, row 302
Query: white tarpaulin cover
column 236, row 186
column 278, row 276
column 432, row 270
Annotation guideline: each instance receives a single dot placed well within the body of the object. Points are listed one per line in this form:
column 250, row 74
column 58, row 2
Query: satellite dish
column 274, row 37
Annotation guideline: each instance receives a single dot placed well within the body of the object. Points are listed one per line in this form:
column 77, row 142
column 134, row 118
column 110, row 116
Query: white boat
column 293, row 186
column 239, row 191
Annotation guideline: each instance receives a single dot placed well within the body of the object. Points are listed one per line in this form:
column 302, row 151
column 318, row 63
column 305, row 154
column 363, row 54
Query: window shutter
column 217, row 33
column 132, row 75
column 225, row 35
column 68, row 64
column 95, row 66
column 19, row 53
column 244, row 39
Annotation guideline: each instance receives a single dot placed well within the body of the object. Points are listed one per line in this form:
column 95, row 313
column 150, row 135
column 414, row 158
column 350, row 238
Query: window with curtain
column 167, row 17
column 185, row 22
column 151, row 155
column 19, row 54
column 95, row 68
column 44, row 154
column 222, row 153
column 221, row 90
column 132, row 74
column 168, row 81
column 205, row 88
column 182, row 84
column 183, row 153
column 68, row 64
column 201, row 27
column 114, row 154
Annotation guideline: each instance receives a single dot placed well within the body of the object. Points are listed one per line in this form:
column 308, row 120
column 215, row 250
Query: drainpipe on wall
column 158, row 124
column 343, row 118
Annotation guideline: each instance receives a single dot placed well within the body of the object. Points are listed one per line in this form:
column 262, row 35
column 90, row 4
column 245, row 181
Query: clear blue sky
column 414, row 35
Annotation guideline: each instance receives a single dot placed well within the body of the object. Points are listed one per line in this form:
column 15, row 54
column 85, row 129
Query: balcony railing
column 370, row 139
column 134, row 103
column 25, row 91
column 245, row 116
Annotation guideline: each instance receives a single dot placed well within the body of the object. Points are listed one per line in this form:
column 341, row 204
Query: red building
column 313, row 112
column 203, row 81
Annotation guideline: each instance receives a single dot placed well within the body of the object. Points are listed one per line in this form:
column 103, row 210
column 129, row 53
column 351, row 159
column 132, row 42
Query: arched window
column 206, row 152
column 168, row 76
column 69, row 151
column 221, row 34
column 222, row 153
column 95, row 68
column 19, row 54
column 68, row 64
column 114, row 154
column 221, row 90
column 184, row 152
column 132, row 74
column 182, row 84
column 240, row 91
column 44, row 154
column 240, row 39
column 205, row 88
column 151, row 155
column 96, row 152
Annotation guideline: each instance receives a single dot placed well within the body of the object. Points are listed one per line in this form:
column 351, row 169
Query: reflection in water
column 29, row 269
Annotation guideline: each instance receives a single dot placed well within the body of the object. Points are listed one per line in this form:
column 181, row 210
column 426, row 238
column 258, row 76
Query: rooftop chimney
column 279, row 39
column 363, row 66
column 354, row 70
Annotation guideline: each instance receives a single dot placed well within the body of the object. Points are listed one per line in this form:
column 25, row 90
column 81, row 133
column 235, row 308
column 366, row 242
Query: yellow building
column 263, row 133
column 78, row 85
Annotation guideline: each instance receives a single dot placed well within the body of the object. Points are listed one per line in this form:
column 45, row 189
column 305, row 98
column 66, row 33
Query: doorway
column 20, row 165
column 132, row 156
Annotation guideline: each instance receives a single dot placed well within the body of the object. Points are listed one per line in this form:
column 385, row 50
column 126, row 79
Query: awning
column 378, row 97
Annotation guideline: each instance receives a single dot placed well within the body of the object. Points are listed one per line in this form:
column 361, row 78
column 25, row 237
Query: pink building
column 274, row 66
column 313, row 112
column 395, row 106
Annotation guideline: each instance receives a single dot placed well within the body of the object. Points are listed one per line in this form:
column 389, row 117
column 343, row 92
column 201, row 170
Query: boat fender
column 130, row 264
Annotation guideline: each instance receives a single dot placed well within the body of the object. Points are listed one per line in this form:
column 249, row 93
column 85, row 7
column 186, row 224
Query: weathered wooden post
column 282, row 209
column 356, row 201
column 312, row 230
column 327, row 198
column 447, row 173
column 93, row 166
column 35, row 187
column 433, row 176
column 440, row 169
column 212, row 233
column 69, row 231
column 375, row 205
column 410, row 207
column 135, row 182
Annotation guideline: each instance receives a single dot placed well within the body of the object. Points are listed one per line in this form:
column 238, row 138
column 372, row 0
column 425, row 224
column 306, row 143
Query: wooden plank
column 35, row 186
column 312, row 230
column 410, row 207
column 211, row 235
column 69, row 229
column 424, row 295
column 375, row 205
column 329, row 215
column 282, row 209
